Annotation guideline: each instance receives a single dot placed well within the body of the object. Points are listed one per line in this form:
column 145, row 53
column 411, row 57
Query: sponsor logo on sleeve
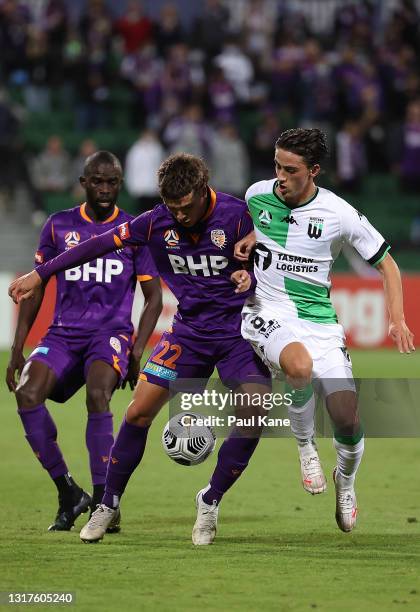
column 124, row 231
column 39, row 257
column 218, row 238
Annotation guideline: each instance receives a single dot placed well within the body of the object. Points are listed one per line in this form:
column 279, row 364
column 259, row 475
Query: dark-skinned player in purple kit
column 90, row 339
column 191, row 237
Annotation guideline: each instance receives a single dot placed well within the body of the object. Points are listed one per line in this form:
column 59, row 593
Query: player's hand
column 132, row 371
column 23, row 287
column 244, row 247
column 402, row 336
column 16, row 363
column 242, row 280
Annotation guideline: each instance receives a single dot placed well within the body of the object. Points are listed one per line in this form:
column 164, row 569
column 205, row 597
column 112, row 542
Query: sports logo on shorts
column 71, row 239
column 116, row 344
column 265, row 217
column 315, row 227
column 39, row 257
column 171, row 237
column 124, row 231
column 218, row 238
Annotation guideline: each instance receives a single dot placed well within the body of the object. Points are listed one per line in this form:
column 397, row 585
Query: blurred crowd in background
column 222, row 86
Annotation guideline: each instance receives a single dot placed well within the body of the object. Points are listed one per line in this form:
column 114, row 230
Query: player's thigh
column 279, row 344
column 101, row 380
column 113, row 352
column 181, row 360
column 238, row 364
column 35, row 384
column 148, row 399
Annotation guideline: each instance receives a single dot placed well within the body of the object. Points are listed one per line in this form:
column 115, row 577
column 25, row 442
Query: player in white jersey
column 290, row 321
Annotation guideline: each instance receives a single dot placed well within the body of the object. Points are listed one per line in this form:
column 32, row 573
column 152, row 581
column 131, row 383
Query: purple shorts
column 71, row 357
column 184, row 353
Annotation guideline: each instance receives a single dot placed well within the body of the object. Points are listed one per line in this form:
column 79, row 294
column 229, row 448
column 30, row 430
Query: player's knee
column 98, row 399
column 299, row 367
column 28, row 396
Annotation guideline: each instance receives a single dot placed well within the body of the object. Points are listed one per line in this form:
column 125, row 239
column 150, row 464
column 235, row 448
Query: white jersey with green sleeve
column 296, row 248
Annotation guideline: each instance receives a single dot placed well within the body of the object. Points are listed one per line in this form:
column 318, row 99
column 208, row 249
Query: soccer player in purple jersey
column 191, row 238
column 89, row 341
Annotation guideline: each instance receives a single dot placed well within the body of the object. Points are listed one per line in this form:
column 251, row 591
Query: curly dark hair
column 181, row 174
column 101, row 157
column 309, row 143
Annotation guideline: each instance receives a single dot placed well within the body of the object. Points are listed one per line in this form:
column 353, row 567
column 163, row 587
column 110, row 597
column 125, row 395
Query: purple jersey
column 196, row 264
column 97, row 296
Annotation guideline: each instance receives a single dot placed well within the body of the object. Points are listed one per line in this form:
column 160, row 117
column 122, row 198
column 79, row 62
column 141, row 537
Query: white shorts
column 269, row 335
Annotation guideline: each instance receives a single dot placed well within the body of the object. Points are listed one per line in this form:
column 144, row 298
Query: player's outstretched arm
column 244, row 247
column 27, row 314
column 398, row 329
column 22, row 288
column 152, row 292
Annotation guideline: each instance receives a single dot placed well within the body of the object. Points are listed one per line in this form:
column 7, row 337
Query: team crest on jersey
column 265, row 217
column 71, row 239
column 39, row 257
column 315, row 227
column 171, row 237
column 218, row 238
column 124, row 231
column 116, row 344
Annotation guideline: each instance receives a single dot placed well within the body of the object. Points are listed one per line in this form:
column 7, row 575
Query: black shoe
column 115, row 524
column 66, row 515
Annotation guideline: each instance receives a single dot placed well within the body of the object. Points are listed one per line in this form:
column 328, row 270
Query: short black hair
column 101, row 157
column 182, row 174
column 309, row 143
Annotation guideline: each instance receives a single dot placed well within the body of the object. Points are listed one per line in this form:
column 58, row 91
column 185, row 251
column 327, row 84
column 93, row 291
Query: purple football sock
column 125, row 456
column 99, row 440
column 233, row 458
column 41, row 434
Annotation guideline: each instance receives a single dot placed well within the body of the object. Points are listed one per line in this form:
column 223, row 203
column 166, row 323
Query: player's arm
column 27, row 314
column 244, row 247
column 130, row 233
column 152, row 292
column 244, row 279
column 398, row 329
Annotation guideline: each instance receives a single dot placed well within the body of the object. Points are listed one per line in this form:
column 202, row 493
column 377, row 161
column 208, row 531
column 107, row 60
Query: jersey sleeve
column 47, row 248
column 135, row 232
column 359, row 233
column 144, row 265
column 245, row 225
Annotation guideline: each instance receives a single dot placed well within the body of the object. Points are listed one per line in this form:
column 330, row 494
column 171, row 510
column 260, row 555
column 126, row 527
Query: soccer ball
column 186, row 441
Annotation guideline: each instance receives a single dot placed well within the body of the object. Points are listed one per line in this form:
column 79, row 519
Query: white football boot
column 204, row 530
column 101, row 519
column 346, row 503
column 313, row 478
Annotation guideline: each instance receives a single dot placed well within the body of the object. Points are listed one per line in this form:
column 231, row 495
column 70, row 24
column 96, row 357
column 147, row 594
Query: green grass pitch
column 277, row 547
